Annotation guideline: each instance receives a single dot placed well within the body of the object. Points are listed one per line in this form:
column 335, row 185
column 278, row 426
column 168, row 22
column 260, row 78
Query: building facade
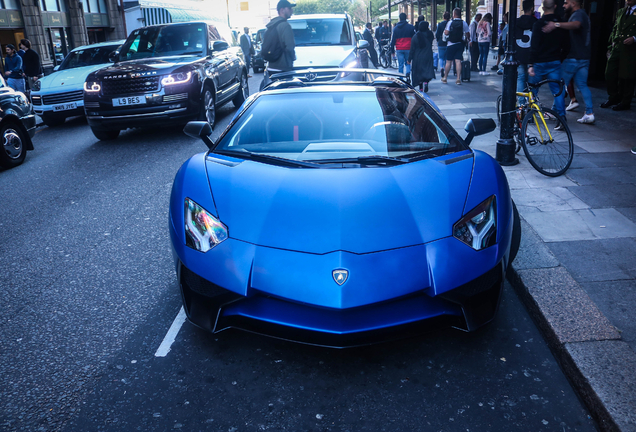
column 55, row 27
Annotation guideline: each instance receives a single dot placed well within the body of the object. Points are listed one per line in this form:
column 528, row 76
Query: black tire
column 550, row 154
column 515, row 241
column 105, row 134
column 208, row 109
column 13, row 151
column 394, row 62
column 243, row 92
column 499, row 111
column 53, row 120
column 384, row 61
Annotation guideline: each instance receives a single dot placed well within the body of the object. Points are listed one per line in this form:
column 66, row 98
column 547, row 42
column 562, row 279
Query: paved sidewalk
column 576, row 269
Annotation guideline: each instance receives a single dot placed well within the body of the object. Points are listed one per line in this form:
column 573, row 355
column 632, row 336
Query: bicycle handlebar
column 540, row 83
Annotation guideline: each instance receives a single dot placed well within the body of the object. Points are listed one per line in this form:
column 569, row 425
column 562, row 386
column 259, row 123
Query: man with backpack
column 279, row 47
column 456, row 33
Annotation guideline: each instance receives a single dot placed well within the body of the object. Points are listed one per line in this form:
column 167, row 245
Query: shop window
column 93, row 5
column 10, row 4
column 51, row 6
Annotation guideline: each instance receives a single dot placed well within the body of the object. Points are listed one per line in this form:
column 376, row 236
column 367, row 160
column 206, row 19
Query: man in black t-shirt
column 523, row 38
column 577, row 63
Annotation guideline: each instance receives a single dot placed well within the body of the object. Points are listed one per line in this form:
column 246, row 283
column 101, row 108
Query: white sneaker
column 587, row 119
column 485, row 73
column 573, row 105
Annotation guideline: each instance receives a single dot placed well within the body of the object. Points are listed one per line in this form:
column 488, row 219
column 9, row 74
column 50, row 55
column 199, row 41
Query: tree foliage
column 321, row 6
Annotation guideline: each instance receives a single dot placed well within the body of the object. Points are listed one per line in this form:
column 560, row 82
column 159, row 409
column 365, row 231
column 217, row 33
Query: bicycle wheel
column 499, row 110
column 548, row 150
column 394, row 62
column 384, row 60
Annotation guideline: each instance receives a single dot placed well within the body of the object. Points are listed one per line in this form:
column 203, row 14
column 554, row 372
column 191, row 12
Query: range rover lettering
column 166, row 75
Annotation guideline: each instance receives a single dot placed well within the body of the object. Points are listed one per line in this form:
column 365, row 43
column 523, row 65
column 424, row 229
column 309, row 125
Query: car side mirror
column 478, row 126
column 56, row 68
column 200, row 129
column 113, row 56
column 362, row 44
column 220, row 46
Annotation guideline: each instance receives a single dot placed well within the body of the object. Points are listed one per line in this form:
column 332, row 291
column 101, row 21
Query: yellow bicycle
column 542, row 133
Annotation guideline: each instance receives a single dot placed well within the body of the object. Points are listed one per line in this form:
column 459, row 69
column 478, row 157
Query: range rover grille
column 124, row 86
column 175, row 97
column 63, row 97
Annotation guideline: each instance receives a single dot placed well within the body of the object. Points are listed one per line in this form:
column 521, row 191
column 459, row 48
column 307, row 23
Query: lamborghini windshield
column 341, row 125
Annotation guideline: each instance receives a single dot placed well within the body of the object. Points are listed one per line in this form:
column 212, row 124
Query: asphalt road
column 89, row 293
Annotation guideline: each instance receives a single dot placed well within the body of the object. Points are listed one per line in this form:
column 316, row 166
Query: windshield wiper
column 246, row 154
column 368, row 160
column 190, row 52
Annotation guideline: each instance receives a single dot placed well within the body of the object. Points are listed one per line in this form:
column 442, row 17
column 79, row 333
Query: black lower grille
column 60, row 98
column 197, row 284
column 121, row 86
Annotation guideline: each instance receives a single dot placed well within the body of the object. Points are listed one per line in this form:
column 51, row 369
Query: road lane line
column 164, row 348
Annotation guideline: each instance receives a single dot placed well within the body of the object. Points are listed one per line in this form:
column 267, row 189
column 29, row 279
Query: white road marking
column 164, row 348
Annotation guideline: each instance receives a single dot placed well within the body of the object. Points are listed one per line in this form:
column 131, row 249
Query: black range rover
column 166, row 75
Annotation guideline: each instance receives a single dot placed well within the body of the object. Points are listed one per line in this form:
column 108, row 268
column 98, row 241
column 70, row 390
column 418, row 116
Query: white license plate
column 133, row 100
column 65, row 107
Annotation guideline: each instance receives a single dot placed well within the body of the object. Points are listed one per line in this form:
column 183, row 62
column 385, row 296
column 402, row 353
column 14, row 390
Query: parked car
column 165, row 75
column 17, row 126
column 325, row 40
column 341, row 213
column 258, row 64
column 61, row 94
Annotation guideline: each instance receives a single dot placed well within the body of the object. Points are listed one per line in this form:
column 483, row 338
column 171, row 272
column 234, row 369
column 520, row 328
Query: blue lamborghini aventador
column 341, row 214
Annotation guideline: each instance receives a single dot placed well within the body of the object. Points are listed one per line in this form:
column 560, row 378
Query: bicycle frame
column 532, row 103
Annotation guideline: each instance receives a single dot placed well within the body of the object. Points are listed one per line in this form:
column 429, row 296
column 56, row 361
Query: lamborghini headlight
column 202, row 230
column 478, row 228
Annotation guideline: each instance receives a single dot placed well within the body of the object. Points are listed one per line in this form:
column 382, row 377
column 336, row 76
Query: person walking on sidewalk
column 247, row 47
column 473, row 44
column 13, row 69
column 620, row 72
column 456, row 33
column 577, row 63
column 484, row 34
column 441, row 42
column 421, row 57
column 523, row 39
column 367, row 36
column 280, row 29
column 31, row 65
column 545, row 56
column 401, row 43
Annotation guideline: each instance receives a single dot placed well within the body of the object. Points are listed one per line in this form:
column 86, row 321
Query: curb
column 585, row 344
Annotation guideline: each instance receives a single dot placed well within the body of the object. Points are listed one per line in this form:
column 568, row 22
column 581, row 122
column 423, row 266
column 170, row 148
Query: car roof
column 100, row 44
column 317, row 16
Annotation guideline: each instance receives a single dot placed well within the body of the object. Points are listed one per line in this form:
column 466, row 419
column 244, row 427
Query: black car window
column 327, row 125
column 161, row 41
column 87, row 57
column 321, row 31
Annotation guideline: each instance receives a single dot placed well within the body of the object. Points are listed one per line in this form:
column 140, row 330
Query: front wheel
column 13, row 152
column 243, row 92
column 394, row 62
column 105, row 134
column 384, row 59
column 548, row 150
column 208, row 110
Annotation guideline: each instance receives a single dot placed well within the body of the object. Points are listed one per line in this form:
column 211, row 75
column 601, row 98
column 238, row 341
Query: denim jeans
column 579, row 70
column 483, row 55
column 441, row 50
column 550, row 70
column 522, row 79
column 16, row 84
column 403, row 56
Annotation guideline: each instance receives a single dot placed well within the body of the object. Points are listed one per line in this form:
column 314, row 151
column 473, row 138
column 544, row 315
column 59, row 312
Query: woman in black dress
column 421, row 57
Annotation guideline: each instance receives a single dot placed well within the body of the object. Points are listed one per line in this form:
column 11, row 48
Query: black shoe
column 426, row 88
column 494, row 68
column 442, row 72
column 620, row 107
column 607, row 104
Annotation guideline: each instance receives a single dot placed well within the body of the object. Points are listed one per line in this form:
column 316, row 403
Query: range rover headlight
column 179, row 78
column 202, row 230
column 92, row 87
column 478, row 228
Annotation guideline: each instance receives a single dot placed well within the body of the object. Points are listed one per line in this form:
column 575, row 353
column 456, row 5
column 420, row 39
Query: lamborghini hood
column 358, row 210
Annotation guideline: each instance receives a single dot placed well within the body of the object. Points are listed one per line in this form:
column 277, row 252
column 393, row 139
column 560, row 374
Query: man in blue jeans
column 545, row 56
column 403, row 32
column 523, row 38
column 441, row 43
column 577, row 63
